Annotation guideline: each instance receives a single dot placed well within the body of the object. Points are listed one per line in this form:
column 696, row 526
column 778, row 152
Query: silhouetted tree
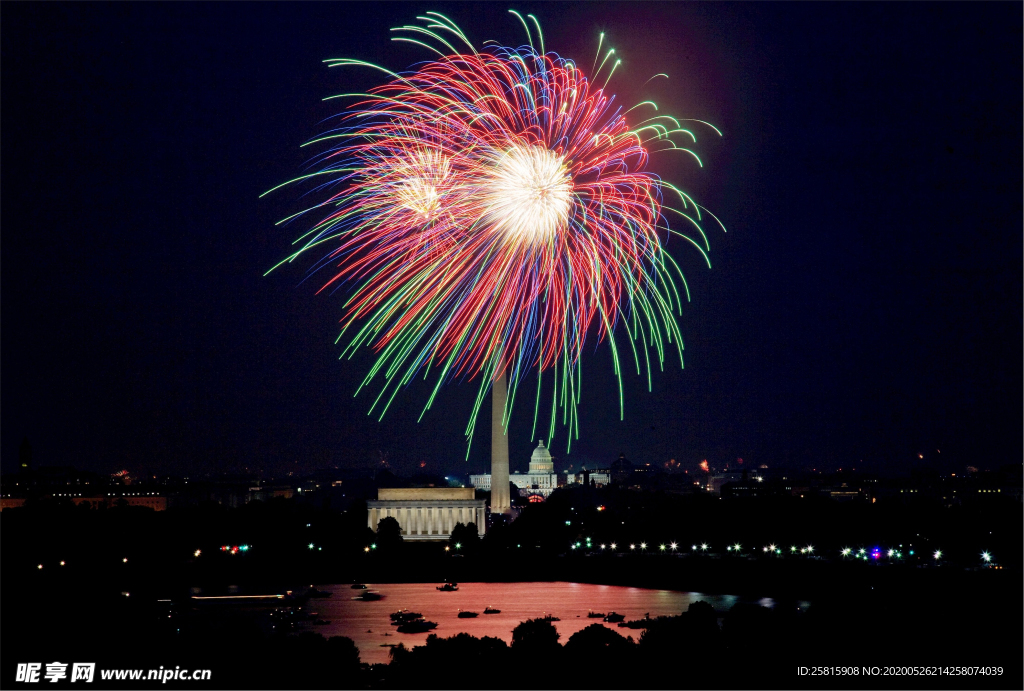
column 598, row 640
column 535, row 636
column 467, row 537
column 389, row 532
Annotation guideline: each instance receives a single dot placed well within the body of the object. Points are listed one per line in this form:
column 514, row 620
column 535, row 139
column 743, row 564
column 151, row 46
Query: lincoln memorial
column 428, row 513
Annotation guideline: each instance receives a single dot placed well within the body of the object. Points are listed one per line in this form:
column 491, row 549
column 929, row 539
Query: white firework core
column 418, row 195
column 419, row 181
column 528, row 194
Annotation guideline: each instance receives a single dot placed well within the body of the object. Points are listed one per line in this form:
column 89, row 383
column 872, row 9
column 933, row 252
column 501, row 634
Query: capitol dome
column 540, row 461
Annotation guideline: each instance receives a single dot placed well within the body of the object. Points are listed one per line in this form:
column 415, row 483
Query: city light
column 613, row 545
column 62, row 563
column 367, row 549
column 891, row 552
column 736, row 547
column 673, row 546
column 40, row 566
column 772, row 548
column 986, row 557
column 792, row 549
column 643, row 545
column 632, row 546
column 446, row 549
column 729, row 548
column 310, row 545
column 704, row 547
column 125, row 560
column 937, row 555
column 602, row 546
column 810, row 549
column 846, row 551
column 662, row 547
column 197, row 553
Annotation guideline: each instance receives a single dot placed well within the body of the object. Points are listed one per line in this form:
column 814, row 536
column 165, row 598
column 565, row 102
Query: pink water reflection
column 366, row 623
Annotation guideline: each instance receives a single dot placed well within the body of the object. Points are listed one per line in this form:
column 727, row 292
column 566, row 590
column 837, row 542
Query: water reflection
column 368, row 624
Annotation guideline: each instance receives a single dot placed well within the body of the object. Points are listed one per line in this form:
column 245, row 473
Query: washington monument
column 500, row 500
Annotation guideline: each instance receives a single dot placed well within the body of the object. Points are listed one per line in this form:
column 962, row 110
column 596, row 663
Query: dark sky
column 864, row 306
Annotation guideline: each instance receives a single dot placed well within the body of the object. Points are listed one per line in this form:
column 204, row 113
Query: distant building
column 621, row 470
column 596, row 478
column 150, row 500
column 540, row 481
column 428, row 513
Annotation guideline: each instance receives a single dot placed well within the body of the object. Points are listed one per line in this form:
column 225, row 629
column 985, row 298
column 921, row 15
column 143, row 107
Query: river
column 368, row 624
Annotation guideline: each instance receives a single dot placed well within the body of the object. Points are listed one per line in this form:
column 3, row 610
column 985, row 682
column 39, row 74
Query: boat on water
column 404, row 615
column 358, row 586
column 596, row 615
column 491, row 610
column 321, row 622
column 369, row 596
column 614, row 618
column 314, row 592
column 418, row 626
column 467, row 615
column 448, row 587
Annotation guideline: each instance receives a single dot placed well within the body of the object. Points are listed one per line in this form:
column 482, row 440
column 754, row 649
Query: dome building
column 540, row 480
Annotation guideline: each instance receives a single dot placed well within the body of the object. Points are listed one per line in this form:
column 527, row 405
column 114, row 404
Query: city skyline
column 864, row 306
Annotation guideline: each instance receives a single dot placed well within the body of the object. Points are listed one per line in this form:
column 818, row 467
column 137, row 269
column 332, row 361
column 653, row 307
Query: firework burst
column 487, row 208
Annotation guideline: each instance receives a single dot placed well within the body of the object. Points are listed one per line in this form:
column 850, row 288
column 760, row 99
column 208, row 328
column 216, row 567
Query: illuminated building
column 428, row 513
column 541, row 479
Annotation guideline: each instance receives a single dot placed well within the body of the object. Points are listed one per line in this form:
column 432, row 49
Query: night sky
column 864, row 306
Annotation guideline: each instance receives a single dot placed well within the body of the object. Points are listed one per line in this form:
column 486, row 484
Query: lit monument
column 500, row 496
